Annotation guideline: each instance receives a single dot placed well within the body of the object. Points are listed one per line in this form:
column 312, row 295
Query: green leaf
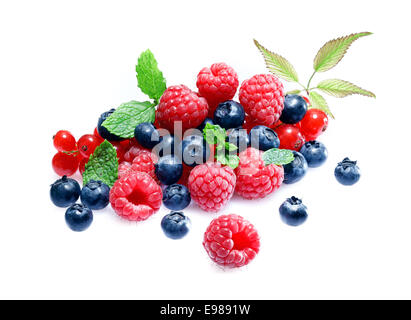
column 150, row 79
column 230, row 160
column 277, row 64
column 293, row 92
column 318, row 102
column 340, row 88
column 102, row 165
column 277, row 156
column 230, row 146
column 214, row 134
column 127, row 116
column 333, row 51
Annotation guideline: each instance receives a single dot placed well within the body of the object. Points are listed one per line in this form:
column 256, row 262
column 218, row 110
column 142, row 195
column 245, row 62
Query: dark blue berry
column 293, row 212
column 166, row 146
column 176, row 197
column 194, row 150
column 95, row 195
column 78, row 217
column 238, row 137
column 347, row 172
column 264, row 138
column 64, row 192
column 315, row 153
column 169, row 169
column 102, row 131
column 175, row 225
column 294, row 110
column 203, row 124
column 229, row 114
column 147, row 135
column 295, row 170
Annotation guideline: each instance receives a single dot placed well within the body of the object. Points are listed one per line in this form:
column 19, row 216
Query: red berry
column 87, row 144
column 97, row 135
column 143, row 162
column 136, row 196
column 254, row 179
column 121, row 150
column 262, row 97
column 290, row 137
column 217, row 84
column 314, row 123
column 82, row 165
column 180, row 104
column 211, row 185
column 231, row 241
column 65, row 164
column 306, row 100
column 63, row 140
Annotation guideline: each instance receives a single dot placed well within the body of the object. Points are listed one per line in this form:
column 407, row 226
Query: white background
column 62, row 63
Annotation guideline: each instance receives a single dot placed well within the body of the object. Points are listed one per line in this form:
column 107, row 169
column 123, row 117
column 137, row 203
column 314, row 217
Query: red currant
column 313, row 124
column 290, row 137
column 82, row 165
column 87, row 144
column 63, row 140
column 120, row 150
column 65, row 164
column 97, row 135
column 306, row 100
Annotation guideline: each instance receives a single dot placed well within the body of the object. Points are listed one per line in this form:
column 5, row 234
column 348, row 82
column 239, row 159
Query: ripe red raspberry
column 262, row 97
column 143, row 162
column 217, row 84
column 179, row 103
column 136, row 196
column 255, row 179
column 314, row 123
column 231, row 241
column 211, row 185
column 290, row 137
column 123, row 169
column 133, row 152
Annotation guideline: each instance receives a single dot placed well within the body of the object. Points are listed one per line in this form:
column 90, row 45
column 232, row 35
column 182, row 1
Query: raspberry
column 179, row 103
column 211, row 185
column 136, row 196
column 217, row 84
column 231, row 241
column 143, row 162
column 262, row 97
column 123, row 169
column 133, row 152
column 255, row 179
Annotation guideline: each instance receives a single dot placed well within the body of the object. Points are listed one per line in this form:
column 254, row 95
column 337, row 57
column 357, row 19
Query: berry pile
column 184, row 146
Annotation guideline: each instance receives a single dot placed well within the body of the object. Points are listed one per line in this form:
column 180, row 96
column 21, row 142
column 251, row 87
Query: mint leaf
column 150, row 78
column 214, row 134
column 230, row 160
column 102, row 165
column 333, row 51
column 127, row 116
column 277, row 156
column 340, row 88
column 230, row 146
column 277, row 64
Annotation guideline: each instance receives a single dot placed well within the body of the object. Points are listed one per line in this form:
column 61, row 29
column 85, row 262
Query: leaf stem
column 309, row 81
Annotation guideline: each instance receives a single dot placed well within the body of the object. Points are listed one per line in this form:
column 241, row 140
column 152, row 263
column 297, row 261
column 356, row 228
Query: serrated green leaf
column 277, row 64
column 214, row 134
column 102, row 165
column 230, row 146
column 277, row 156
column 127, row 116
column 150, row 79
column 318, row 102
column 230, row 160
column 293, row 92
column 333, row 51
column 340, row 88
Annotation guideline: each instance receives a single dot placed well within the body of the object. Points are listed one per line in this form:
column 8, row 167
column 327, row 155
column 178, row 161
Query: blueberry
column 238, row 137
column 102, row 131
column 347, row 172
column 147, row 135
column 175, row 225
column 229, row 114
column 176, row 197
column 294, row 110
column 79, row 217
column 169, row 169
column 194, row 150
column 293, row 212
column 264, row 138
column 95, row 195
column 203, row 124
column 295, row 170
column 166, row 146
column 315, row 153
column 64, row 192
